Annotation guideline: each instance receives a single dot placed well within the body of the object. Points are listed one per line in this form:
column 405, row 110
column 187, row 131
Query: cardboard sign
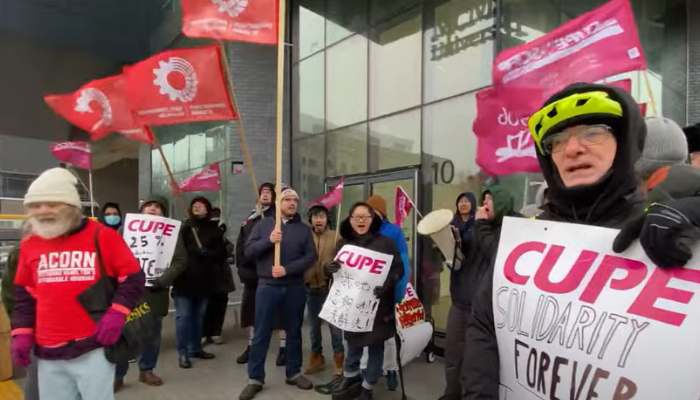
column 575, row 320
column 152, row 239
column 351, row 304
column 410, row 311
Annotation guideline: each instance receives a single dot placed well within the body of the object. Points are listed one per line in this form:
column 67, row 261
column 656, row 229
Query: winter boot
column 348, row 388
column 150, row 379
column 338, row 363
column 316, row 364
column 281, row 359
column 243, row 358
column 392, row 380
column 250, row 391
column 366, row 394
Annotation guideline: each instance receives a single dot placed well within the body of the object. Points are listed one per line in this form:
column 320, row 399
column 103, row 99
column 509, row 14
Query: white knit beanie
column 289, row 192
column 56, row 185
column 665, row 145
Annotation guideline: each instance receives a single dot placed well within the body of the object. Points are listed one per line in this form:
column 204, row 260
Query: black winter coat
column 204, row 267
column 247, row 268
column 385, row 321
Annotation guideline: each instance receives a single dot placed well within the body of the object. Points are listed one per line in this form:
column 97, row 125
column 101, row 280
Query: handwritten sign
column 410, row 311
column 152, row 239
column 575, row 320
column 351, row 304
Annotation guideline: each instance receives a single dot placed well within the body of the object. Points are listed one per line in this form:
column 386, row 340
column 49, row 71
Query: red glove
column 21, row 349
column 109, row 329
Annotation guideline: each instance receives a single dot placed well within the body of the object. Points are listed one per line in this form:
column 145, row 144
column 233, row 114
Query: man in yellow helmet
column 588, row 139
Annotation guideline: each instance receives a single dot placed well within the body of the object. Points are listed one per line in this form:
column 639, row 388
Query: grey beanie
column 665, row 145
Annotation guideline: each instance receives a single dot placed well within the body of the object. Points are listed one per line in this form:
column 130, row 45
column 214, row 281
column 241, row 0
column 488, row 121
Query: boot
column 338, row 363
column 250, row 391
column 201, row 354
column 243, row 358
column 300, row 382
column 281, row 359
column 366, row 394
column 118, row 384
column 346, row 382
column 392, row 380
column 150, row 379
column 185, row 362
column 316, row 364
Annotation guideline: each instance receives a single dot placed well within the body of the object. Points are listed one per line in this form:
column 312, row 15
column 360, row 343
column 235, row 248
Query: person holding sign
column 588, row 137
column 362, row 229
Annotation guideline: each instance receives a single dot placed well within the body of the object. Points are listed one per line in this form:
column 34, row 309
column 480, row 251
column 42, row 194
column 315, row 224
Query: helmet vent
column 581, row 102
column 552, row 113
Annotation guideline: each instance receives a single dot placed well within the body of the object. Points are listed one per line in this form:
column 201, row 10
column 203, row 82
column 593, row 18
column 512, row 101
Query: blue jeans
column 149, row 354
column 375, row 363
column 89, row 376
column 290, row 301
column 314, row 304
column 189, row 320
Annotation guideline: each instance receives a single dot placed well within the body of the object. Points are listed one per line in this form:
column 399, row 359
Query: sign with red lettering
column 351, row 304
column 152, row 239
column 410, row 311
column 575, row 320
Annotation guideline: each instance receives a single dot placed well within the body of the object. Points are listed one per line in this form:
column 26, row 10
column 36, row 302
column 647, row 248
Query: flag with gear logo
column 178, row 86
column 253, row 21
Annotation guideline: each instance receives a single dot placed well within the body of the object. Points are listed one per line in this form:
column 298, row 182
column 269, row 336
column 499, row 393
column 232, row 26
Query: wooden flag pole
column 175, row 185
column 651, row 94
column 92, row 198
column 241, row 132
column 281, row 20
column 337, row 224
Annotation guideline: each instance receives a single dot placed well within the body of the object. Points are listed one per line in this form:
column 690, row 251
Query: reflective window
column 346, row 151
column 381, row 10
column 346, row 82
column 215, row 144
column 198, row 149
column 311, row 28
column 309, row 105
column 458, row 48
column 525, row 21
column 395, row 64
column 308, row 167
column 343, row 18
column 395, row 141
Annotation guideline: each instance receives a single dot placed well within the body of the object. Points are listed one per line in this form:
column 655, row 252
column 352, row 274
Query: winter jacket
column 465, row 227
column 673, row 182
column 8, row 280
column 224, row 281
column 101, row 216
column 297, row 251
column 394, row 232
column 385, row 320
column 610, row 202
column 315, row 278
column 247, row 268
column 203, row 265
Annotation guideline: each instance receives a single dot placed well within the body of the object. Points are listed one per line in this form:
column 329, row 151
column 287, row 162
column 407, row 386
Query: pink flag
column 74, row 153
column 207, row 180
column 643, row 108
column 598, row 44
column 331, row 198
column 402, row 205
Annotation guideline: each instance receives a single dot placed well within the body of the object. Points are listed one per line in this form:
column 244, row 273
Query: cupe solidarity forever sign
column 576, row 321
column 152, row 239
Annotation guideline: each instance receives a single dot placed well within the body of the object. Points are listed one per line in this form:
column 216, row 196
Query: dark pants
column 215, row 315
column 149, row 354
column 314, row 304
column 269, row 300
column 457, row 321
column 189, row 318
column 375, row 363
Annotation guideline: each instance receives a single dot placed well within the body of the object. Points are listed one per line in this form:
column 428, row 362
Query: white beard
column 50, row 229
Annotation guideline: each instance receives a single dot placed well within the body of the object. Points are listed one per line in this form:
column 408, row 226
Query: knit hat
column 378, row 203
column 289, row 192
column 665, row 145
column 56, row 185
column 271, row 187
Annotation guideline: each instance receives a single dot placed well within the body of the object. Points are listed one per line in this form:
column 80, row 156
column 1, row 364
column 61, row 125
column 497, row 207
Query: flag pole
column 337, row 224
column 92, row 198
column 281, row 20
column 651, row 94
column 175, row 185
column 241, row 132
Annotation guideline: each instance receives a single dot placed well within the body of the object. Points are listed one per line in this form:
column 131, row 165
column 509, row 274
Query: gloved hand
column 109, row 329
column 665, row 233
column 21, row 349
column 156, row 284
column 380, row 291
column 331, row 267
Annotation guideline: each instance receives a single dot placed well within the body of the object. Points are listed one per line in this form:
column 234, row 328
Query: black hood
column 349, row 234
column 591, row 203
column 160, row 200
column 101, row 215
column 203, row 200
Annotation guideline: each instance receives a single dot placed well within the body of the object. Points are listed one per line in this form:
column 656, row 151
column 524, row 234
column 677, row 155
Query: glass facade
column 391, row 84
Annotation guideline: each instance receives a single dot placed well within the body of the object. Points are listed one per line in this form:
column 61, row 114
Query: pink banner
column 78, row 154
column 332, row 198
column 402, row 205
column 207, row 180
column 598, row 44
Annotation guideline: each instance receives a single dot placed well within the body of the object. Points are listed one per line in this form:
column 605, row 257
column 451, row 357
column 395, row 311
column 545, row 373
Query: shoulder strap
column 103, row 271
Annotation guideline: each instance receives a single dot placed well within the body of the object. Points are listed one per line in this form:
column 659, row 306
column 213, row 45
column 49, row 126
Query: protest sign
column 351, row 304
column 575, row 320
column 152, row 239
column 410, row 311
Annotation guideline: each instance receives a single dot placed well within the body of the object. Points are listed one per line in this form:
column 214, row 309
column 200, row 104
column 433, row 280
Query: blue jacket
column 393, row 232
column 298, row 251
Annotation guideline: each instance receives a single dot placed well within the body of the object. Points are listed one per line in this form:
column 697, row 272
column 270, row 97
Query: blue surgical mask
column 113, row 220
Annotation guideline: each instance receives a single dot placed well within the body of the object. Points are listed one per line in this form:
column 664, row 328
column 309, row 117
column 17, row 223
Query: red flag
column 99, row 107
column 402, row 205
column 332, row 198
column 143, row 135
column 207, row 180
column 598, row 44
column 74, row 153
column 252, row 21
column 176, row 86
column 643, row 108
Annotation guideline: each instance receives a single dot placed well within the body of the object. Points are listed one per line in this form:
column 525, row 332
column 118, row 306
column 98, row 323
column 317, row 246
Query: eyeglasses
column 590, row 136
column 361, row 218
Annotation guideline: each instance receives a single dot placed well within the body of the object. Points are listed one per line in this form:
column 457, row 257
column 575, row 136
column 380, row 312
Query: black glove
column 203, row 252
column 155, row 284
column 665, row 233
column 331, row 267
column 380, row 291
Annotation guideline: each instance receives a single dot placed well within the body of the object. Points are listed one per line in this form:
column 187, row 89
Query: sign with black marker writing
column 574, row 320
column 351, row 304
column 152, row 239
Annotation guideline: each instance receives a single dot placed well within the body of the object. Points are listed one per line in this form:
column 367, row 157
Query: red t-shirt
column 56, row 271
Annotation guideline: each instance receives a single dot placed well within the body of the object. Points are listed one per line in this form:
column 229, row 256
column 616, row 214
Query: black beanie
column 270, row 186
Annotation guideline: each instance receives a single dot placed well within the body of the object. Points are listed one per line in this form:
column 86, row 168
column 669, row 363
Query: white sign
column 351, row 304
column 574, row 320
column 152, row 239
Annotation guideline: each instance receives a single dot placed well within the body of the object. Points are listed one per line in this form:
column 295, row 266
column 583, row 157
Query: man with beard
column 247, row 271
column 58, row 280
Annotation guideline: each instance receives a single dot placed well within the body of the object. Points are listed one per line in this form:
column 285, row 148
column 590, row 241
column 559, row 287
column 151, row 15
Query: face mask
column 113, row 220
